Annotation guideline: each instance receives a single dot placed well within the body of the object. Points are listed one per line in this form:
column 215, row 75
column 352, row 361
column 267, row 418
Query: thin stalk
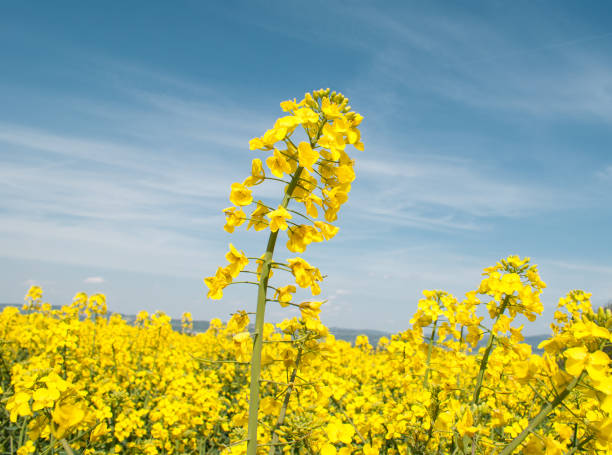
column 537, row 420
column 283, row 411
column 485, row 357
column 340, row 407
column 259, row 323
column 66, row 447
column 302, row 215
column 581, row 445
column 289, row 183
column 429, row 350
column 22, row 433
column 244, row 282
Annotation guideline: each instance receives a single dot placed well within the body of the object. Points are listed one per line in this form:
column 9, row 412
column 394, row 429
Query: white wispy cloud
column 99, row 151
column 605, row 173
column 150, row 183
column 582, row 267
column 94, row 280
column 467, row 60
column 448, row 193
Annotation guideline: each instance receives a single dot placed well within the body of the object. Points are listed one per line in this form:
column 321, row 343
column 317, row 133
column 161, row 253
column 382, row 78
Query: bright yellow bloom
column 604, row 431
column 269, row 406
column 309, row 203
column 66, row 416
column 217, row 283
column 257, row 174
column 279, row 165
column 19, row 405
column 554, row 447
column 233, row 217
column 284, row 294
column 310, row 310
column 278, row 219
column 330, row 109
column 99, row 431
column 267, row 141
column 27, row 448
column 240, row 195
column 238, row 322
column 307, row 156
column 465, row 426
column 289, row 105
column 34, row 293
column 329, row 231
column 340, row 432
column 579, row 358
column 306, row 116
column 289, row 122
column 237, row 260
column 302, row 236
column 588, row 329
column 336, row 196
column 257, row 220
column 345, row 174
column 332, row 140
column 305, row 274
column 44, row 398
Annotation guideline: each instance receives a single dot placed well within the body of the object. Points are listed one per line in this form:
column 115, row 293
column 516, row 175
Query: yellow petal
column 307, row 156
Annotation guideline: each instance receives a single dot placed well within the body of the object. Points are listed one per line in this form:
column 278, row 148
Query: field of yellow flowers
column 76, row 380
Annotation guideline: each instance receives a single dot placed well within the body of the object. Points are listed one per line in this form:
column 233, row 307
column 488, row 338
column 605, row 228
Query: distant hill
column 340, row 333
column 351, row 334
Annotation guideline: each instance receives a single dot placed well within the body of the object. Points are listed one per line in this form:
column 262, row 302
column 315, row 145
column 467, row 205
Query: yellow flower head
column 284, row 294
column 240, row 195
column 307, row 156
column 278, row 219
column 279, row 165
column 302, row 236
column 305, row 274
column 233, row 217
column 310, row 310
column 34, row 293
column 257, row 174
column 257, row 220
column 237, row 261
column 66, row 416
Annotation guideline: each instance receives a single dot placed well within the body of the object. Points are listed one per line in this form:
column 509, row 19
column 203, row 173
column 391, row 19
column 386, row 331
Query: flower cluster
column 318, row 172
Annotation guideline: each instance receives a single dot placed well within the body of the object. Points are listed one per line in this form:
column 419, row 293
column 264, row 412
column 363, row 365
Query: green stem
column 341, row 408
column 66, row 447
column 537, row 420
column 429, row 350
column 259, row 323
column 22, row 433
column 485, row 357
column 283, row 411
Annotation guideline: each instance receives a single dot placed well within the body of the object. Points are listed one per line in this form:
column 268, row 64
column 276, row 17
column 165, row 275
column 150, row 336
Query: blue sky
column 122, row 125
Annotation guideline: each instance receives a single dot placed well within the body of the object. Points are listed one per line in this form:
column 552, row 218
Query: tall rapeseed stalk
column 317, row 173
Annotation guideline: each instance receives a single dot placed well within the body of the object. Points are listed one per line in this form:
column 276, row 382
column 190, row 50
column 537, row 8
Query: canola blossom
column 319, row 172
column 459, row 380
